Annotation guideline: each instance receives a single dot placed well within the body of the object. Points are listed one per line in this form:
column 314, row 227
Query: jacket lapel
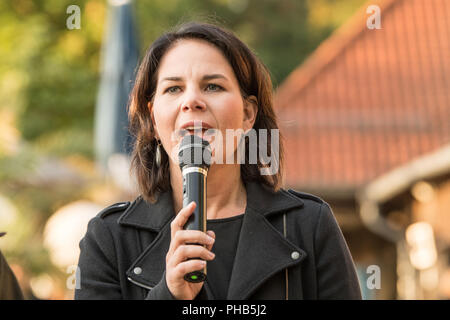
column 147, row 269
column 149, row 216
column 262, row 249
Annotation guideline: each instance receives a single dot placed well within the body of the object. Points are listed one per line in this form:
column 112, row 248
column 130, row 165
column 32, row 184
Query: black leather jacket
column 124, row 249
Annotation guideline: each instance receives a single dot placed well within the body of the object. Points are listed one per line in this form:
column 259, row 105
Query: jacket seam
column 255, row 285
column 276, row 210
column 130, row 206
column 314, row 247
column 306, row 195
column 292, row 196
column 293, row 245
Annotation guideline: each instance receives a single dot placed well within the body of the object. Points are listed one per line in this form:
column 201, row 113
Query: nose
column 193, row 101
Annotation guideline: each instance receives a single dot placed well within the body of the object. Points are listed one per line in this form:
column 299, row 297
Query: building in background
column 366, row 125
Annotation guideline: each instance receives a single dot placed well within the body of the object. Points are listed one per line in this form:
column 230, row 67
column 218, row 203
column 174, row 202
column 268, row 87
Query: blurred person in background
column 9, row 287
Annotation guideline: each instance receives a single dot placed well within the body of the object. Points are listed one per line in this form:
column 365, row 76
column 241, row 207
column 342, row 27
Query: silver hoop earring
column 158, row 154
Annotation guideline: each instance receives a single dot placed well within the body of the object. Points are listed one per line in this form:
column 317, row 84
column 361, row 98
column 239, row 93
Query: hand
column 177, row 264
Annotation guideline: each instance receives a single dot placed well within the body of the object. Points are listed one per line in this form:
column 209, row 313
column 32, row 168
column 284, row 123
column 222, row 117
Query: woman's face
column 195, row 82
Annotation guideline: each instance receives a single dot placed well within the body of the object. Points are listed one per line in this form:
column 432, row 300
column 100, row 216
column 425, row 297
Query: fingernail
column 210, row 240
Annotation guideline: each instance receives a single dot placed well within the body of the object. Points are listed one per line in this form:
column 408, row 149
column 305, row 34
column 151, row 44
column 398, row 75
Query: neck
column 226, row 195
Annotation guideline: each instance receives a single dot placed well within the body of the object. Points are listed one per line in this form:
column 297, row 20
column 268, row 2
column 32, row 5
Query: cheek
column 163, row 112
column 165, row 124
column 160, row 119
column 230, row 113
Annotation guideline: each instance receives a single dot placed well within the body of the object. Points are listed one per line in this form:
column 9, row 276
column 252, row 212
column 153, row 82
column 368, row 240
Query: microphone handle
column 194, row 189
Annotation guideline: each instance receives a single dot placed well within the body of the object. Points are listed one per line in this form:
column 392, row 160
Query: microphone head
column 194, row 152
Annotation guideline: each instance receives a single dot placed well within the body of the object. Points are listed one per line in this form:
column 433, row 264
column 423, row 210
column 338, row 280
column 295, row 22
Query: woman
column 263, row 242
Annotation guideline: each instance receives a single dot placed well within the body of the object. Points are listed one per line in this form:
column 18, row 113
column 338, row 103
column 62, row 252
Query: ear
column 150, row 108
column 250, row 112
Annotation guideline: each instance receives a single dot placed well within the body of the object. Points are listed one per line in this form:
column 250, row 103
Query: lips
column 196, row 124
column 196, row 127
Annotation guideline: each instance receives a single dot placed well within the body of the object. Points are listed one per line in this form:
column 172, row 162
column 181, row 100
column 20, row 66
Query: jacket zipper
column 140, row 284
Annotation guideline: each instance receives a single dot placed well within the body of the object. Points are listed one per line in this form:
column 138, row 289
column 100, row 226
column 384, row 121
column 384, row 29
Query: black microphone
column 195, row 158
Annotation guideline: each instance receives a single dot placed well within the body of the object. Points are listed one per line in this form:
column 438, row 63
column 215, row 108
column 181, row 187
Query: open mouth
column 204, row 133
column 196, row 131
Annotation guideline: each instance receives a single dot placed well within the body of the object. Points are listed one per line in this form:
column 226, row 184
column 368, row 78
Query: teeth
column 192, row 128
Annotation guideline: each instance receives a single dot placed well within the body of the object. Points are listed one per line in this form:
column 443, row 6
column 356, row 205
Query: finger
column 183, row 237
column 184, row 252
column 188, row 266
column 191, row 237
column 211, row 233
column 181, row 218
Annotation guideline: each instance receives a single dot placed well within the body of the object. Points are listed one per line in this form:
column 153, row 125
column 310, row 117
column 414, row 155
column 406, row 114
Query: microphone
column 195, row 158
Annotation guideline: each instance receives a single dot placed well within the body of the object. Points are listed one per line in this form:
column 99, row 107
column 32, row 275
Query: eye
column 213, row 87
column 173, row 89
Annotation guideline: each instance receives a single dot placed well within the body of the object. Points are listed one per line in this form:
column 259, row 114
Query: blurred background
column 361, row 91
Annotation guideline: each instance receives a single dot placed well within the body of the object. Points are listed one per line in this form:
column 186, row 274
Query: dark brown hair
column 253, row 78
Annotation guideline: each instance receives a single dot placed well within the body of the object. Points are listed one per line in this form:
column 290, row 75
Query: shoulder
column 107, row 217
column 317, row 214
column 116, row 208
column 314, row 206
column 310, row 200
column 103, row 226
column 306, row 196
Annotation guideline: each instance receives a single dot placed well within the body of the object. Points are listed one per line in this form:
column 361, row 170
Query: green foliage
column 280, row 32
column 276, row 30
column 61, row 68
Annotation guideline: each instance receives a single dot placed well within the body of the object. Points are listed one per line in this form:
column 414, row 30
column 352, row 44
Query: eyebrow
column 205, row 77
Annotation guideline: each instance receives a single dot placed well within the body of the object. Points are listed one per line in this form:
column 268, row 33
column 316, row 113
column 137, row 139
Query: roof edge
column 394, row 182
column 326, row 52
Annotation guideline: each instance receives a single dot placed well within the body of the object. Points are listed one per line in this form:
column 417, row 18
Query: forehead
column 190, row 57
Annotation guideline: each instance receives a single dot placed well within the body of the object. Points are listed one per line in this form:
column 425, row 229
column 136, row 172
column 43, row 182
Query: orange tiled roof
column 366, row 100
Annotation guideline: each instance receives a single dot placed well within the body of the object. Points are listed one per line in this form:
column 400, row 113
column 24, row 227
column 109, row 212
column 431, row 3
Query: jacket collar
column 260, row 243
column 154, row 216
column 151, row 216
